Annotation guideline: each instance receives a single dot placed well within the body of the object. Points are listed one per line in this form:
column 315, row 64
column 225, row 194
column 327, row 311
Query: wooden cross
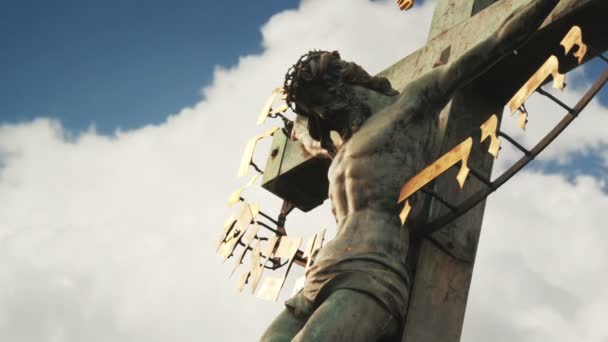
column 442, row 265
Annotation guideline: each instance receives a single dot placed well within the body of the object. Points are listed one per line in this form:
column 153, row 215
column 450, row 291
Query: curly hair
column 328, row 70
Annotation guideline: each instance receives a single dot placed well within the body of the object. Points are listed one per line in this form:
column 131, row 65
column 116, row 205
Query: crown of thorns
column 292, row 79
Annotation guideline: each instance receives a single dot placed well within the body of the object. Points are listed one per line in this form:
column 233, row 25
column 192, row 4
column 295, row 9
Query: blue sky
column 119, row 63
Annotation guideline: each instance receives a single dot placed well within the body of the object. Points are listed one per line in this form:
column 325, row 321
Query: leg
column 283, row 328
column 348, row 315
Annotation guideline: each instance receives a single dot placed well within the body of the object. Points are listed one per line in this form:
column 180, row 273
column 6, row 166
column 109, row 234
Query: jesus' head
column 323, row 87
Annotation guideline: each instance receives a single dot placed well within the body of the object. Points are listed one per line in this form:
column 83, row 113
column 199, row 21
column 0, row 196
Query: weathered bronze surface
column 294, row 174
column 386, row 139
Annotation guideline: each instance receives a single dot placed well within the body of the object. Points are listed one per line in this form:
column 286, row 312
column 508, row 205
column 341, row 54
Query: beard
column 345, row 116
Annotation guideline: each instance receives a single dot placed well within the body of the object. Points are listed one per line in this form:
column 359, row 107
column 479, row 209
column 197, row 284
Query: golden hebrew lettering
column 236, row 196
column 267, row 109
column 549, row 68
column 247, row 240
column 575, row 37
column 271, row 286
column 250, row 148
column 459, row 153
column 246, row 215
column 488, row 130
column 405, row 5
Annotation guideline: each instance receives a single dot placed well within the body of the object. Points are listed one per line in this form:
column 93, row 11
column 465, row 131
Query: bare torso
column 367, row 173
column 365, row 178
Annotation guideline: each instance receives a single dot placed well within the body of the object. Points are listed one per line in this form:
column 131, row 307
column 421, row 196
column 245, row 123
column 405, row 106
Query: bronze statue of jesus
column 358, row 287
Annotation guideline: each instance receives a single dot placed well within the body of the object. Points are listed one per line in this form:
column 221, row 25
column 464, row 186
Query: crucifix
column 440, row 260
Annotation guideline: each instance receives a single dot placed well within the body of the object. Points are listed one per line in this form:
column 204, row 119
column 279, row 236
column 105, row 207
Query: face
column 326, row 92
column 315, row 100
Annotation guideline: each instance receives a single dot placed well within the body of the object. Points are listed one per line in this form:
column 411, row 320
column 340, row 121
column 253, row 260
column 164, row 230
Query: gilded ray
column 310, row 244
column 245, row 217
column 242, row 281
column 257, row 268
column 267, row 109
column 250, row 148
column 271, row 286
column 281, row 109
column 247, row 240
column 316, row 246
column 225, row 231
column 236, row 196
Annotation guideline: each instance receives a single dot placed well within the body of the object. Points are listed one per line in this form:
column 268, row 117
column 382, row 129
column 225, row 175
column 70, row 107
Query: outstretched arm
column 513, row 33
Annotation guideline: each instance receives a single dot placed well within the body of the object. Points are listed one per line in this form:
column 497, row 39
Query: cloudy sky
column 121, row 130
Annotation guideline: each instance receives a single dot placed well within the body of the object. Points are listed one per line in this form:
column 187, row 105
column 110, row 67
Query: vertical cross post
column 441, row 283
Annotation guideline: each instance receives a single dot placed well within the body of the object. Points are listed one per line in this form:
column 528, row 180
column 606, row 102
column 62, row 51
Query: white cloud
column 584, row 136
column 111, row 238
column 540, row 270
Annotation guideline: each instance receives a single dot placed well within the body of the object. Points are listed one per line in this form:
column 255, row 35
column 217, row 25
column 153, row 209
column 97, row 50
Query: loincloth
column 373, row 274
